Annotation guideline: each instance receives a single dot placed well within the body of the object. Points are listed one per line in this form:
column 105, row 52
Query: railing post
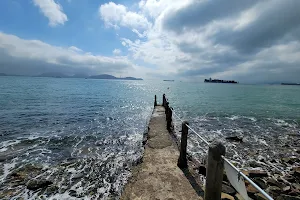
column 164, row 100
column 182, row 161
column 169, row 118
column 155, row 101
column 214, row 171
column 167, row 110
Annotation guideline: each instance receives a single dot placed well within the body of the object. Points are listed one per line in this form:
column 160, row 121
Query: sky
column 251, row 41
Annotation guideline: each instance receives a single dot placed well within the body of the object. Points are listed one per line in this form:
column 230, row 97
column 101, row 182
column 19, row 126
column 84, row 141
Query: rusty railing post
column 169, row 118
column 214, row 171
column 182, row 161
column 167, row 110
column 155, row 101
column 164, row 100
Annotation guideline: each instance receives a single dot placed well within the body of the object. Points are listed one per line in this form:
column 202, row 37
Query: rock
column 51, row 190
column 225, row 196
column 286, row 189
column 37, row 184
column 273, row 182
column 77, row 176
column 251, row 189
column 254, row 164
column 273, row 191
column 259, row 196
column 287, row 197
column 294, row 192
column 245, row 172
column 225, row 178
column 234, row 138
column 260, row 182
column 296, row 171
column 7, row 194
column 296, row 186
column 202, row 170
column 228, row 189
column 73, row 193
column 257, row 173
column 289, row 178
column 290, row 160
column 298, row 151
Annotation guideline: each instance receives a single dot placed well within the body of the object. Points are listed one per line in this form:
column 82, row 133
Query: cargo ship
column 290, row 83
column 219, row 81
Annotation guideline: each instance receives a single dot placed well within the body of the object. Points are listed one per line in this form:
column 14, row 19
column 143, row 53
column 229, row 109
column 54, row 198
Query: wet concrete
column 158, row 176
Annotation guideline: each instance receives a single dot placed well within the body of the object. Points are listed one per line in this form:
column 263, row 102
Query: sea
column 85, row 135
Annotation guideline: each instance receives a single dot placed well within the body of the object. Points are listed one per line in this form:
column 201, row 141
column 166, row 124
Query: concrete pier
column 158, row 176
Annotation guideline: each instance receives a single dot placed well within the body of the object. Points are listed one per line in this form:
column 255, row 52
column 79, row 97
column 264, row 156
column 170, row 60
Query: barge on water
column 290, row 83
column 218, row 81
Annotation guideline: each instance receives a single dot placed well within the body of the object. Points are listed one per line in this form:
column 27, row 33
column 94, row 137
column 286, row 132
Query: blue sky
column 250, row 40
column 83, row 27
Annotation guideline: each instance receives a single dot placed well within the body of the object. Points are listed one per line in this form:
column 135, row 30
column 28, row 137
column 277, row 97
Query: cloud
column 53, row 11
column 116, row 15
column 33, row 57
column 117, row 51
column 251, row 40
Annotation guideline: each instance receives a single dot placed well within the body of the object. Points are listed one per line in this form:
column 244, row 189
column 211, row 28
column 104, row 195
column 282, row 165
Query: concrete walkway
column 158, row 176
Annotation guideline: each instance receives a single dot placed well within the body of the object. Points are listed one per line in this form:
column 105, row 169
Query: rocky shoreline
column 281, row 185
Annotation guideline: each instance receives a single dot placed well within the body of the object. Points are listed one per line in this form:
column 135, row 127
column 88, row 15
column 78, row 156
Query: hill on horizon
column 100, row 76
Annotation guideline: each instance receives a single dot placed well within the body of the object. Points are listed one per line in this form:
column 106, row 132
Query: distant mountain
column 107, row 76
column 79, row 76
column 2, row 74
column 130, row 78
column 103, row 76
column 54, row 75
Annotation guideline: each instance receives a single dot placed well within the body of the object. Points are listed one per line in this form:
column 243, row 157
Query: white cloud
column 195, row 39
column 117, row 51
column 116, row 15
column 32, row 57
column 52, row 10
column 75, row 49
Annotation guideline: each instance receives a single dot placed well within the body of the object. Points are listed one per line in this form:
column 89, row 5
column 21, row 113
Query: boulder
column 225, row 196
column 273, row 191
column 257, row 173
column 260, row 182
column 251, row 189
column 296, row 171
column 274, row 182
column 287, row 197
column 296, row 186
column 234, row 138
column 289, row 178
column 286, row 189
column 294, row 192
column 228, row 189
column 259, row 196
column 73, row 193
column 202, row 170
column 37, row 184
column 77, row 175
column 289, row 160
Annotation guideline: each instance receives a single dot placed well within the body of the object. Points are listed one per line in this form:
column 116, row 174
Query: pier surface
column 158, row 176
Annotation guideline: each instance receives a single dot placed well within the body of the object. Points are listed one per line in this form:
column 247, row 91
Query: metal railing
column 170, row 112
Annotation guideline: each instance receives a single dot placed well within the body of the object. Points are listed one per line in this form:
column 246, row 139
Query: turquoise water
column 99, row 125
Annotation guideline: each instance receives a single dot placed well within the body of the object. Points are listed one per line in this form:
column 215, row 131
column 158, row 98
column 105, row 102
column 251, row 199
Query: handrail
column 227, row 161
